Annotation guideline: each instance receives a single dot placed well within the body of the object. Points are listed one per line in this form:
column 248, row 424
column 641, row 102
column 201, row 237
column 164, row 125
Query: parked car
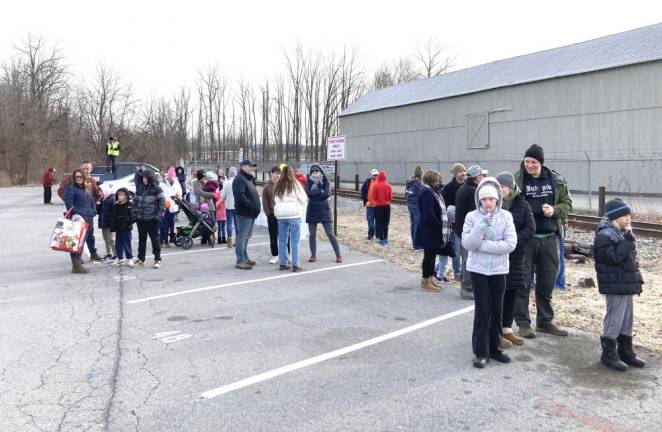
column 123, row 177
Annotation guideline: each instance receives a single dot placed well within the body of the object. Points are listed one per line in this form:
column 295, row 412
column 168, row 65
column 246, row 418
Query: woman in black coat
column 318, row 189
column 525, row 225
column 433, row 231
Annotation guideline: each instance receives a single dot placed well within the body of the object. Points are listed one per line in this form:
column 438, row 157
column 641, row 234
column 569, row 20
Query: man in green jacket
column 547, row 193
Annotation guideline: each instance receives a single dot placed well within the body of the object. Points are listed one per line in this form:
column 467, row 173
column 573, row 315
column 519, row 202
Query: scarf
column 447, row 228
column 316, row 181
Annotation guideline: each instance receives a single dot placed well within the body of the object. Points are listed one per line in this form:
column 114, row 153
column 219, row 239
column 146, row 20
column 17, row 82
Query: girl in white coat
column 289, row 201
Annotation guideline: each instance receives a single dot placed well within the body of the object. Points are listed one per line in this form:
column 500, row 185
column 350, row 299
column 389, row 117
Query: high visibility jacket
column 113, row 148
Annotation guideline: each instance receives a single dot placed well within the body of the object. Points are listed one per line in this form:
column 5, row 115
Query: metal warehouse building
column 595, row 107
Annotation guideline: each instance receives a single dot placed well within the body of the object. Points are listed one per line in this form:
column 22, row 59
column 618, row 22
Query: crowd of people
column 503, row 235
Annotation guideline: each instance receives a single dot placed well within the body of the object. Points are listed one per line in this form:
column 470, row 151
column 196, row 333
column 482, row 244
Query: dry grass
column 576, row 307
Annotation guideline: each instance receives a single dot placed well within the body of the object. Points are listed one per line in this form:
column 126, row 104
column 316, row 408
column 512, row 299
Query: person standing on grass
column 489, row 235
column 366, row 193
column 448, row 193
column 465, row 202
column 619, row 279
column 247, row 207
column 268, row 207
column 47, row 182
column 433, row 230
column 148, row 210
column 78, row 198
column 289, row 200
column 228, row 198
column 382, row 194
column 318, row 189
column 525, row 226
column 411, row 193
column 547, row 193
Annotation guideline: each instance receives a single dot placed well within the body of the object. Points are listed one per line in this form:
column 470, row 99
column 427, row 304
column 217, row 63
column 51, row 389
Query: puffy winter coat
column 48, row 178
column 318, row 210
column 170, row 190
column 246, row 199
column 149, row 201
column 525, row 226
column 122, row 217
column 489, row 238
column 105, row 211
column 81, row 201
column 616, row 261
column 290, row 205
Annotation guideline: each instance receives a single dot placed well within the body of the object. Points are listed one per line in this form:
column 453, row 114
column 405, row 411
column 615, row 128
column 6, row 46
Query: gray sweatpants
column 312, row 237
column 619, row 316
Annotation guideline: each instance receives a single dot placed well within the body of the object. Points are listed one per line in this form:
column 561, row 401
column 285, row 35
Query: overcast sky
column 160, row 45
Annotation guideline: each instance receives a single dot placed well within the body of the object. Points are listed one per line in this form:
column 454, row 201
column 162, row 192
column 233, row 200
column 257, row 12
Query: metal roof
column 631, row 47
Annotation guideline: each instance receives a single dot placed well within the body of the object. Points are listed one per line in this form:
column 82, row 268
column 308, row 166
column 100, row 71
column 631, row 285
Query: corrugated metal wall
column 614, row 116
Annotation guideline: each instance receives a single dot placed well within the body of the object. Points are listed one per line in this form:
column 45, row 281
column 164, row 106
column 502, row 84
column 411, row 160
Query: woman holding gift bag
column 78, row 199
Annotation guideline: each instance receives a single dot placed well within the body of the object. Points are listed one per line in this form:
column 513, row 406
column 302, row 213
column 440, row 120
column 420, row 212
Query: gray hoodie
column 489, row 237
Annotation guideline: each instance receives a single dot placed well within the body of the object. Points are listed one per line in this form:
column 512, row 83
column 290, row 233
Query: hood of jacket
column 495, row 183
column 381, row 178
column 232, row 172
column 606, row 227
column 151, row 175
column 315, row 166
column 126, row 191
column 507, row 203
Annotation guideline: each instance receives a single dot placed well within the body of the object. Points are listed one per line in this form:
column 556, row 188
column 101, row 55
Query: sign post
column 335, row 151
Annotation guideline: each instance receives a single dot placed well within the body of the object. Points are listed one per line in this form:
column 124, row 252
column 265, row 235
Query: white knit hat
column 488, row 191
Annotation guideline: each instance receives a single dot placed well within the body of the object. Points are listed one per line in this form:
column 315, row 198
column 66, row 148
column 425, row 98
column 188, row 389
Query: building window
column 478, row 130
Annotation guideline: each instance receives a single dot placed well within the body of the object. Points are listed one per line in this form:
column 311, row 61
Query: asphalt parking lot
column 201, row 346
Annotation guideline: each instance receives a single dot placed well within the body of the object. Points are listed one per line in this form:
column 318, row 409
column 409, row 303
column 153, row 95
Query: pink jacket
column 220, row 210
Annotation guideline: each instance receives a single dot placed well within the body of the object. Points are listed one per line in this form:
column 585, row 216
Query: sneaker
column 479, row 362
column 552, row 328
column 157, row 264
column 443, row 279
column 107, row 257
column 466, row 295
column 117, row 263
column 138, row 262
column 296, row 269
column 273, row 260
column 500, row 357
column 387, row 242
column 130, row 263
column 312, row 259
column 244, row 266
column 338, row 259
column 284, row 267
column 526, row 331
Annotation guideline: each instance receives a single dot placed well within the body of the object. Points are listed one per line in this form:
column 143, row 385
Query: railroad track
column 587, row 222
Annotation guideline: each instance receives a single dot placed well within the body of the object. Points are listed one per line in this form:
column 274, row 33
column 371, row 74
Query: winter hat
column 457, row 168
column 475, row 170
column 536, row 152
column 488, row 191
column 616, row 208
column 418, row 172
column 210, row 175
column 374, row 172
column 232, row 172
column 171, row 173
column 506, row 179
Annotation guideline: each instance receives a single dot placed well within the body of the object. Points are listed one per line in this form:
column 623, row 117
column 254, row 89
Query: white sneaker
column 118, row 263
column 273, row 260
column 137, row 262
column 157, row 264
column 130, row 263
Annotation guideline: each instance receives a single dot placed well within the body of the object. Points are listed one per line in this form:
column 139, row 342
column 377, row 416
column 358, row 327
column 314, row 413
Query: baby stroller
column 199, row 226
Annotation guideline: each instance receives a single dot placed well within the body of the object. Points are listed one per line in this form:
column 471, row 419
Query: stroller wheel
column 177, row 241
column 186, row 242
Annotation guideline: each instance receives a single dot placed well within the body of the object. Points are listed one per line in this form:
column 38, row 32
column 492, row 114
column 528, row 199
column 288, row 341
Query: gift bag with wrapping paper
column 69, row 234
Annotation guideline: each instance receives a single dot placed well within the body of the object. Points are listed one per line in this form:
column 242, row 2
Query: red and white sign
column 335, row 148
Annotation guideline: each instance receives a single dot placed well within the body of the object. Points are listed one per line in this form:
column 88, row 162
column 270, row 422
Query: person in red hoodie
column 47, row 182
column 381, row 196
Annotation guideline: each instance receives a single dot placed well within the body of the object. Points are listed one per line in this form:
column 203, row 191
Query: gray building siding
column 612, row 115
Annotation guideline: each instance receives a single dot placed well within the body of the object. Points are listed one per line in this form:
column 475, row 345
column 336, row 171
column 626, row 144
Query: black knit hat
column 536, row 152
column 616, row 208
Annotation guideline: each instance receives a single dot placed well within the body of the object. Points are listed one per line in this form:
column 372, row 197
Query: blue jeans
column 370, row 217
column 413, row 223
column 289, row 228
column 560, row 277
column 443, row 259
column 244, row 233
column 166, row 226
column 123, row 244
column 231, row 220
column 89, row 240
column 221, row 228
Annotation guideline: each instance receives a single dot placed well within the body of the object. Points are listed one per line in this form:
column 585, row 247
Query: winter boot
column 224, row 240
column 230, row 242
column 426, row 284
column 609, row 357
column 77, row 267
column 95, row 257
column 625, row 352
column 433, row 281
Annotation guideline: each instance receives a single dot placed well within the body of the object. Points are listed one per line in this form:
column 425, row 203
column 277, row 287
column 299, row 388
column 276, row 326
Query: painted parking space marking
column 250, row 281
column 219, row 391
column 207, row 249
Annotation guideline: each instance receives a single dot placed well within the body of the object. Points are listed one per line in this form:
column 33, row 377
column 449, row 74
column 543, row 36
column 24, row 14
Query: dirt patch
column 581, row 308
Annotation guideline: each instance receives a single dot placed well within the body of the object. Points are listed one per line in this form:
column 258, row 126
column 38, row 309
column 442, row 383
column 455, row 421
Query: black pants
column 543, row 256
column 47, row 194
column 382, row 219
column 272, row 223
column 429, row 256
column 110, row 164
column 509, row 307
column 151, row 229
column 488, row 300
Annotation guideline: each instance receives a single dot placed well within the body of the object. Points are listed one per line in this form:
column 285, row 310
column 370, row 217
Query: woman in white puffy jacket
column 489, row 236
column 289, row 201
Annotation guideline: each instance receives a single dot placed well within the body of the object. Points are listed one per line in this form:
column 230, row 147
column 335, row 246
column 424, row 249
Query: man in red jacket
column 47, row 182
column 381, row 195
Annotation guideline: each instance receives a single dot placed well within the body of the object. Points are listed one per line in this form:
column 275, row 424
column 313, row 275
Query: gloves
column 629, row 236
column 486, row 220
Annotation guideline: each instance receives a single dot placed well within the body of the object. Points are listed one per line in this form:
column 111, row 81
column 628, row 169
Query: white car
column 123, row 182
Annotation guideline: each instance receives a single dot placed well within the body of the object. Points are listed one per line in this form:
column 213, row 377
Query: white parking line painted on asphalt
column 204, row 249
column 330, row 355
column 250, row 281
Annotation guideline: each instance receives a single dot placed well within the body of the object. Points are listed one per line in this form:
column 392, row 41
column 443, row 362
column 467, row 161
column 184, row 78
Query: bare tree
column 433, row 58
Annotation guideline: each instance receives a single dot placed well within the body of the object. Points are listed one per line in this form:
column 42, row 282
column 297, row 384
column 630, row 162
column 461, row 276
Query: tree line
column 50, row 117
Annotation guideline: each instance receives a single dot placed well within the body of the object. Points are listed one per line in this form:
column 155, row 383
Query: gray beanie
column 506, row 179
column 232, row 172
